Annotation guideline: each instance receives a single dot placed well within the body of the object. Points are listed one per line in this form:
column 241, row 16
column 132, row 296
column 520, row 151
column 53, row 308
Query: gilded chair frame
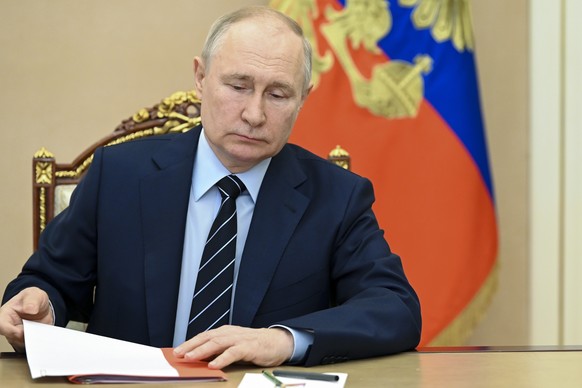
column 179, row 112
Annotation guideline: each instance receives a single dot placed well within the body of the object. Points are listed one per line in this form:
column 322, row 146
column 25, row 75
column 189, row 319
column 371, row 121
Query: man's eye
column 278, row 95
column 237, row 87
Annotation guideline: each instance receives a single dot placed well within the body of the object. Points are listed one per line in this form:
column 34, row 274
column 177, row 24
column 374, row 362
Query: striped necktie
column 213, row 294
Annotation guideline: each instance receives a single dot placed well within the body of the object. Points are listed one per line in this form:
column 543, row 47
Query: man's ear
column 305, row 94
column 199, row 74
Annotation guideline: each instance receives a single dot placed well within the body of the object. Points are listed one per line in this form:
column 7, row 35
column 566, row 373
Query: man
column 314, row 280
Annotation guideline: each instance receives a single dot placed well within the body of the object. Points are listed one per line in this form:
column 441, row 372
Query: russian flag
column 396, row 86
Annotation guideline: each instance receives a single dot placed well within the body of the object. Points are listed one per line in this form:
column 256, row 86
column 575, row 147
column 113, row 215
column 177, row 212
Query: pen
column 274, row 380
column 278, row 383
column 305, row 375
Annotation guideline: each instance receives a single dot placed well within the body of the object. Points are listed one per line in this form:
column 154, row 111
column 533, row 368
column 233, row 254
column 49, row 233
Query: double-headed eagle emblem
column 395, row 88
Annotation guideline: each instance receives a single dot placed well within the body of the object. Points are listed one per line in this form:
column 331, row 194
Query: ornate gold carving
column 340, row 156
column 304, row 12
column 76, row 173
column 363, row 22
column 141, row 115
column 396, row 88
column 129, row 137
column 43, row 172
column 338, row 152
column 43, row 153
column 166, row 107
column 42, row 208
column 447, row 20
column 176, row 122
column 180, row 124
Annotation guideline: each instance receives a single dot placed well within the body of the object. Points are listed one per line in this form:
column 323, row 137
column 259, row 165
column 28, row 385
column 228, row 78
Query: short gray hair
column 221, row 25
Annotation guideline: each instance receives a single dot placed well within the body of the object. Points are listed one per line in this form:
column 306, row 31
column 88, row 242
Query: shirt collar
column 208, row 170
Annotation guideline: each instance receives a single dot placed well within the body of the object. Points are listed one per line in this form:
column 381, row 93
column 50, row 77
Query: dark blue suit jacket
column 314, row 258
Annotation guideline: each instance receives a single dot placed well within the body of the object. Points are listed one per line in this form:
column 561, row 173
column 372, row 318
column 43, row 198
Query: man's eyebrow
column 245, row 77
column 238, row 77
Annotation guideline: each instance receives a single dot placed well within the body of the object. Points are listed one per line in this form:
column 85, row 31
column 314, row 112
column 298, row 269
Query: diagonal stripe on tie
column 213, row 293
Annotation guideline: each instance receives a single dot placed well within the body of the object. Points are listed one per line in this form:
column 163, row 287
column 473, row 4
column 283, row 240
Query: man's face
column 251, row 92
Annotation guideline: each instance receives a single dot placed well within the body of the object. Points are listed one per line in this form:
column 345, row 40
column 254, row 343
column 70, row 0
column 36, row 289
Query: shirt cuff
column 53, row 312
column 302, row 340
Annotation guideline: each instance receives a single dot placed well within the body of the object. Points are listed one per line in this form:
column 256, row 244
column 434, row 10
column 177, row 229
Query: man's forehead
column 245, row 61
column 263, row 29
column 250, row 52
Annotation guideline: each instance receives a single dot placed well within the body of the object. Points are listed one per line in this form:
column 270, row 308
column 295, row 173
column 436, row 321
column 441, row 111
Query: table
column 442, row 367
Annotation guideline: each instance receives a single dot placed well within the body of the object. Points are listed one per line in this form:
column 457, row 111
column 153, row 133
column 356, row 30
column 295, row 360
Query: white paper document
column 56, row 351
column 257, row 380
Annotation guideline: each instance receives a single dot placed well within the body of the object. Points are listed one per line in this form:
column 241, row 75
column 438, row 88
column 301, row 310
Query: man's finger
column 209, row 346
column 228, row 357
column 33, row 304
column 15, row 337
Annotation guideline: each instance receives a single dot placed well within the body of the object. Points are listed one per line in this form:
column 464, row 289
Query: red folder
column 188, row 371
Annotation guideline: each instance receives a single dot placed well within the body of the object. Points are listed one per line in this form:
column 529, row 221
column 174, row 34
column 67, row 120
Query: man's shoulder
column 142, row 142
column 311, row 161
column 149, row 145
column 153, row 152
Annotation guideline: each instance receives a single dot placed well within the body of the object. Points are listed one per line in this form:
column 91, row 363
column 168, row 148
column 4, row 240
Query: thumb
column 34, row 304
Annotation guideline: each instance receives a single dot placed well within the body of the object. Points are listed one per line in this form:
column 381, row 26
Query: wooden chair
column 53, row 183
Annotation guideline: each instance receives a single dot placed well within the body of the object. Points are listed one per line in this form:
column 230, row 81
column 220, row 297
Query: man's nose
column 254, row 110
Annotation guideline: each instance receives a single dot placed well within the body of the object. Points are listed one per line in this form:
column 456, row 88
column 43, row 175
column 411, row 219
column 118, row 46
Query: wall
column 70, row 70
column 501, row 35
column 556, row 177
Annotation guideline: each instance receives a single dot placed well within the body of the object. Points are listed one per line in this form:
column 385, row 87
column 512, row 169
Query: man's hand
column 31, row 304
column 230, row 344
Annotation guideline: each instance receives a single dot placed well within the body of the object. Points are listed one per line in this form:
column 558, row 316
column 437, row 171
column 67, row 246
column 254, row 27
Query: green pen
column 278, row 383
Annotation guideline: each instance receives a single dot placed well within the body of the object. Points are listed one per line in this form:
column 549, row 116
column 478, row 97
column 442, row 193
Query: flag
column 395, row 85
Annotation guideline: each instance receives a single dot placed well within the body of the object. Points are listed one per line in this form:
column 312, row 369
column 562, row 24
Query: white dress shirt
column 202, row 209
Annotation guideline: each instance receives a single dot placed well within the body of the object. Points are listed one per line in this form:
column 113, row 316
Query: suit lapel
column 164, row 204
column 277, row 212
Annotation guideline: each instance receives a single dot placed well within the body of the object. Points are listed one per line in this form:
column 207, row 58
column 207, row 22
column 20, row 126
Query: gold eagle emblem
column 395, row 88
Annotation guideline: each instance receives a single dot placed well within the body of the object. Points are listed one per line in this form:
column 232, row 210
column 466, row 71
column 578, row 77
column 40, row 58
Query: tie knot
column 230, row 186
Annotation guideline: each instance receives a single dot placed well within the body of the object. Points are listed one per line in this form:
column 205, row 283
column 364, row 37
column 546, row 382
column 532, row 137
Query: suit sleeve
column 376, row 311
